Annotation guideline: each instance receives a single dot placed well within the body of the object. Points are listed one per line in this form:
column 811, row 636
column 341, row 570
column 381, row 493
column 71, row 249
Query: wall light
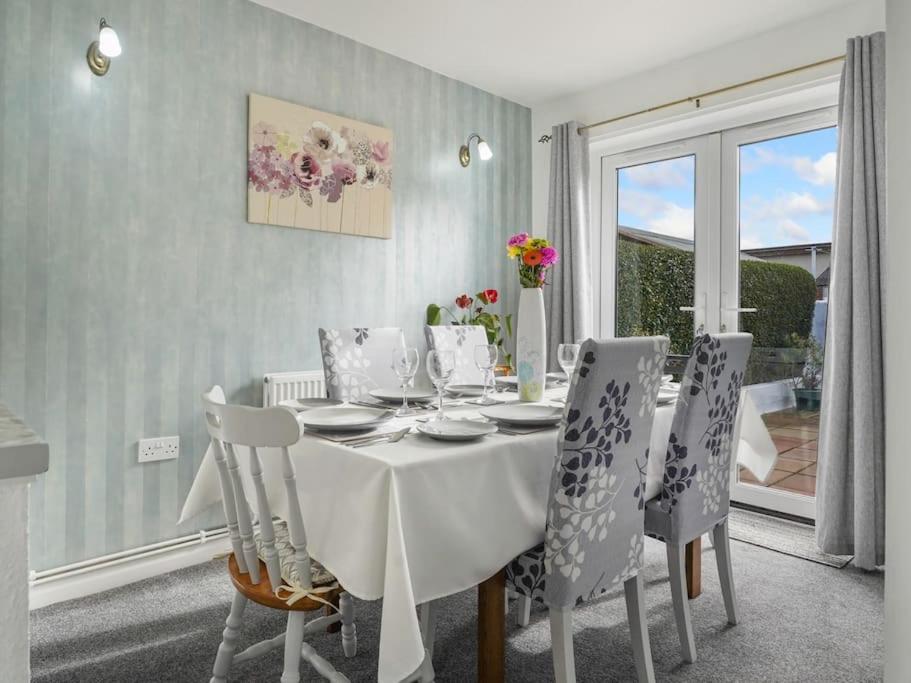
column 483, row 150
column 101, row 50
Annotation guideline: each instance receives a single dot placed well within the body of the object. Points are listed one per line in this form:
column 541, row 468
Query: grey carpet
column 800, row 622
column 782, row 535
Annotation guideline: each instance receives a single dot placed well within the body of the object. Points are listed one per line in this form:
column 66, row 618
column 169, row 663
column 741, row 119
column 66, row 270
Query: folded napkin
column 345, row 437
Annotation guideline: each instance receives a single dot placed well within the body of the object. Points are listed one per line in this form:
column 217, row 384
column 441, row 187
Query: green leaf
column 434, row 316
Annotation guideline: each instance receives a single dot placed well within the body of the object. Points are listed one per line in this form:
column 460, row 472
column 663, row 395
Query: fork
column 394, row 437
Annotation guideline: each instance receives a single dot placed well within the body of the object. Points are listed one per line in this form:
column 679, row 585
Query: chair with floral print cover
column 695, row 493
column 358, row 360
column 461, row 340
column 593, row 537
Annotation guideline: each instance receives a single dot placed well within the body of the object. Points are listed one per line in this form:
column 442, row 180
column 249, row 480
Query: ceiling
column 530, row 51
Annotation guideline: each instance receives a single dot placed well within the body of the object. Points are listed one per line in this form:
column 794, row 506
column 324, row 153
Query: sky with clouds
column 787, row 188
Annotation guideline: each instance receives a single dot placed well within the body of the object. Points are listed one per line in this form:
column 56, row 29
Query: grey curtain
column 850, row 496
column 569, row 296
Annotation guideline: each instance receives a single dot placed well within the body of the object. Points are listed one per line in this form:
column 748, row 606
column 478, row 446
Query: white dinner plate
column 343, row 418
column 465, row 389
column 456, row 430
column 531, row 414
column 302, row 404
column 394, row 395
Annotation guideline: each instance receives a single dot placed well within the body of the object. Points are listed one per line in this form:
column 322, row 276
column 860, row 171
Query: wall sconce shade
column 484, row 150
column 101, row 50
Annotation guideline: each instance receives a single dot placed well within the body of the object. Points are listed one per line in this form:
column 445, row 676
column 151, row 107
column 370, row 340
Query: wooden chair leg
column 561, row 638
column 229, row 639
column 294, row 639
column 523, row 610
column 349, row 629
column 677, row 572
column 722, row 543
column 638, row 628
column 429, row 625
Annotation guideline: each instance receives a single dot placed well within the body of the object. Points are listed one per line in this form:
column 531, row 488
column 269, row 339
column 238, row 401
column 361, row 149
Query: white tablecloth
column 420, row 519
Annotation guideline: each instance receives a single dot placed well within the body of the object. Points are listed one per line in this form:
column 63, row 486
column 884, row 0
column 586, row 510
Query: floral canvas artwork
column 315, row 170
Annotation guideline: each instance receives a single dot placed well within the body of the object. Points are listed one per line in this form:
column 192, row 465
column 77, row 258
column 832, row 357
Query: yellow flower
column 283, row 144
column 538, row 243
column 513, row 251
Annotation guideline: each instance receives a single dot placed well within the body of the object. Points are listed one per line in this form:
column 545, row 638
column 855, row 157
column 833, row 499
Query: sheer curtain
column 569, row 296
column 850, row 496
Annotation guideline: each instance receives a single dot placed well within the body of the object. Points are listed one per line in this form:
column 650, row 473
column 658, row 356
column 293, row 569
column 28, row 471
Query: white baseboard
column 48, row 588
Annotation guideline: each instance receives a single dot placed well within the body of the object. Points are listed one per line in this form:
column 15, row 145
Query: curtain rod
column 698, row 98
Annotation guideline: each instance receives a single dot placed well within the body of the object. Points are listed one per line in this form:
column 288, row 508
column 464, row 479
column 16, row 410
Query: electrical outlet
column 160, row 448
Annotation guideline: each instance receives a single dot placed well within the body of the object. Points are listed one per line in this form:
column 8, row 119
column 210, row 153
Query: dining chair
column 359, row 359
column 593, row 536
column 695, row 492
column 270, row 565
column 461, row 340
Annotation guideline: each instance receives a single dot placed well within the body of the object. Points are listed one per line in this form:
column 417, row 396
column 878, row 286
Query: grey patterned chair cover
column 593, row 538
column 359, row 359
column 695, row 493
column 461, row 340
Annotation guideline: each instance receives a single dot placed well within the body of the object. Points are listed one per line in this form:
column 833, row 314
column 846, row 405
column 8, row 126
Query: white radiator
column 280, row 386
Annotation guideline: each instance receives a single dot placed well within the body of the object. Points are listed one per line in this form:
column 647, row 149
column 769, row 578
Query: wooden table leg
column 337, row 626
column 694, row 568
column 492, row 629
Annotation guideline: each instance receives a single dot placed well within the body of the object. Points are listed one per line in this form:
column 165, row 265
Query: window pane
column 787, row 189
column 655, row 258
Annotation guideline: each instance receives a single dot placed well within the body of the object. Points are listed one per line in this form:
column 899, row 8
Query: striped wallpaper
column 129, row 278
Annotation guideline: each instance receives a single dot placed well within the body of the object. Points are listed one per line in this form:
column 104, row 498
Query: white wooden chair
column 270, row 567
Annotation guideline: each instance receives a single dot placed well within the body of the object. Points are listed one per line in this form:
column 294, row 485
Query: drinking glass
column 405, row 364
column 567, row 357
column 440, row 366
column 485, row 357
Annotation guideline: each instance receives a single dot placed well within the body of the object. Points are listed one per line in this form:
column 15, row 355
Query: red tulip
column 491, row 295
column 464, row 301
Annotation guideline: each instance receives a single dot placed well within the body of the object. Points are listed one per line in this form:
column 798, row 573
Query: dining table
column 420, row 519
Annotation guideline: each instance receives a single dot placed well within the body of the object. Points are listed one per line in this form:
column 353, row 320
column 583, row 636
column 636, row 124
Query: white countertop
column 22, row 452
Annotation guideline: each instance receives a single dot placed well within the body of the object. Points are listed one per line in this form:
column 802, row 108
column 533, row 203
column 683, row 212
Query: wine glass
column 485, row 357
column 405, row 364
column 567, row 357
column 440, row 366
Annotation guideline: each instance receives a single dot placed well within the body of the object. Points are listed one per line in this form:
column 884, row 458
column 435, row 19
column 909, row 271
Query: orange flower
column 532, row 257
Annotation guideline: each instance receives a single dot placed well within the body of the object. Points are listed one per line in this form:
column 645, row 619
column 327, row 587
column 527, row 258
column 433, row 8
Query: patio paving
column 795, row 433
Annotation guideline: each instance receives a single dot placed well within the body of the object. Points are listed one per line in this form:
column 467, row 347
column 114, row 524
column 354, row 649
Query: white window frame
column 731, row 140
column 714, row 136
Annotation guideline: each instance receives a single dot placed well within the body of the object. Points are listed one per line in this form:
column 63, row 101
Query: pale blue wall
column 129, row 278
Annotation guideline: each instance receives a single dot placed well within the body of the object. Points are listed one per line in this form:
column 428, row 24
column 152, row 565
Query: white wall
column 897, row 333
column 800, row 43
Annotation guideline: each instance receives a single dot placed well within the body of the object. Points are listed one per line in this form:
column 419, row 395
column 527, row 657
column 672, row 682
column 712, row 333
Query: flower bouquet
column 536, row 256
column 473, row 311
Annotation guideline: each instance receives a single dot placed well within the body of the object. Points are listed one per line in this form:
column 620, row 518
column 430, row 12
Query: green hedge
column 654, row 282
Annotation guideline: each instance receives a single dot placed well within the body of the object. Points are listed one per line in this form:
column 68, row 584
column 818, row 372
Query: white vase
column 531, row 344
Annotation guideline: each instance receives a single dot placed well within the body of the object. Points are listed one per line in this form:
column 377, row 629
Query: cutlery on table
column 393, row 437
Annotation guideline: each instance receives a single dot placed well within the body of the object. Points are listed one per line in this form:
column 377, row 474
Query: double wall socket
column 160, row 448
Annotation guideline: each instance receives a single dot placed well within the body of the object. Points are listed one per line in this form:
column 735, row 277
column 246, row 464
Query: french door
column 724, row 232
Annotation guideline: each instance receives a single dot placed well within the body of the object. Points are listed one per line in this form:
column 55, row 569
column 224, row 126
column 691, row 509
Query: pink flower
column 268, row 171
column 306, row 170
column 518, row 240
column 381, row 152
column 549, row 256
column 344, row 171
